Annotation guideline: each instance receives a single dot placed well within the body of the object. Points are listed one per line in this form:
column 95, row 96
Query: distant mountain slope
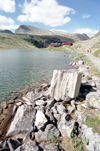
column 5, row 31
column 31, row 30
column 92, row 43
column 75, row 36
column 12, row 41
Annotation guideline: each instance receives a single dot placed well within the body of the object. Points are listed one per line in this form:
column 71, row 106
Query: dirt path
column 95, row 60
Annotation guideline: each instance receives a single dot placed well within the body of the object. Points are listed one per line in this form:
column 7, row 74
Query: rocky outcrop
column 40, row 119
column 65, row 84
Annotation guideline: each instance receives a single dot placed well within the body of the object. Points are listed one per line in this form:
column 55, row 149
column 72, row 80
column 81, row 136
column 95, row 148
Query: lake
column 21, row 67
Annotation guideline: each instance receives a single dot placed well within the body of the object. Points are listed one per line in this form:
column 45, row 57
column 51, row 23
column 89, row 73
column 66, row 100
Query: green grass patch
column 93, row 122
column 97, row 53
column 64, row 48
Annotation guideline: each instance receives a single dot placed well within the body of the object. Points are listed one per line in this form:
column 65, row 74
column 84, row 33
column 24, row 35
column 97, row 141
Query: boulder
column 61, row 109
column 22, row 122
column 10, row 145
column 65, row 84
column 46, row 146
column 65, row 127
column 30, row 146
column 52, row 132
column 40, row 136
column 41, row 120
column 93, row 100
column 90, row 139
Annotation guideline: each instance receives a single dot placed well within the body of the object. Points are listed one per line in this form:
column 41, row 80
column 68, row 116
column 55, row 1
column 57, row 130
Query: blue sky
column 72, row 16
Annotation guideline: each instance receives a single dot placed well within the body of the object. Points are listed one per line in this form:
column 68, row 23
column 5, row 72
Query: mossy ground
column 93, row 122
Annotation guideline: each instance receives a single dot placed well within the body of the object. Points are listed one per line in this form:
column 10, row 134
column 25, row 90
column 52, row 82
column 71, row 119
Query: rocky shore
column 42, row 118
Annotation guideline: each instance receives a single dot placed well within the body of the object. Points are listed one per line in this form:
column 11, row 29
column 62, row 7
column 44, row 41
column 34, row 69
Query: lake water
column 21, row 67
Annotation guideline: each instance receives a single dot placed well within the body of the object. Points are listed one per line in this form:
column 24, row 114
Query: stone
column 93, row 139
column 70, row 109
column 65, row 127
column 81, row 62
column 23, row 121
column 61, row 109
column 65, row 84
column 1, row 110
column 93, row 100
column 86, row 71
column 41, row 120
column 30, row 146
column 10, row 144
column 40, row 136
column 50, row 116
column 52, row 132
column 46, row 146
column 40, row 102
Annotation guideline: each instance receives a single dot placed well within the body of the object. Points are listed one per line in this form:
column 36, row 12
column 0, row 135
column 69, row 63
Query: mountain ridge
column 32, row 30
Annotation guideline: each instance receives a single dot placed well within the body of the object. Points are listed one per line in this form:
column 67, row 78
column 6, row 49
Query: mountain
column 75, row 36
column 92, row 44
column 5, row 31
column 31, row 30
column 12, row 41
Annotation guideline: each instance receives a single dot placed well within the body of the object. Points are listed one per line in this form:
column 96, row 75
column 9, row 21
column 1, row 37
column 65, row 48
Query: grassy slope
column 10, row 41
column 90, row 44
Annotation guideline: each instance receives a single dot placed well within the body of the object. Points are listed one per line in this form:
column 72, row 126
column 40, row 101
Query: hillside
column 30, row 37
column 90, row 44
column 77, row 37
column 5, row 31
column 31, row 30
column 10, row 41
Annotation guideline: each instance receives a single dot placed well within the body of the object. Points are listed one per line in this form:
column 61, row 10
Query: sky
column 71, row 16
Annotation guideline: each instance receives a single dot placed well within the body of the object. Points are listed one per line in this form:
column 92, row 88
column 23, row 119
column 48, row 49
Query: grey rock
column 50, row 116
column 65, row 127
column 11, row 144
column 40, row 102
column 81, row 62
column 65, row 84
column 40, row 136
column 61, row 109
column 56, row 114
column 92, row 138
column 46, row 146
column 52, row 132
column 30, row 146
column 41, row 120
column 22, row 122
column 81, row 117
column 93, row 100
column 70, row 109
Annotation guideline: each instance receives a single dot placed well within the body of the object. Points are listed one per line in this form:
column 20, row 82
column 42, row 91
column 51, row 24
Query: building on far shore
column 60, row 44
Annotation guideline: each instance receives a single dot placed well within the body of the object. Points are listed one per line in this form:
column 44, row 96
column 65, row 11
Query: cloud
column 7, row 23
column 48, row 12
column 7, row 5
column 88, row 31
column 86, row 16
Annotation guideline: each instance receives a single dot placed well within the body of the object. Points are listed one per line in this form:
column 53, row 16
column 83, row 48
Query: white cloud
column 7, row 5
column 86, row 16
column 59, row 30
column 88, row 31
column 7, row 23
column 48, row 12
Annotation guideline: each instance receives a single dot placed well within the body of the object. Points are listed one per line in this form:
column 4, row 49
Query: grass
column 82, row 56
column 93, row 122
column 64, row 48
column 97, row 53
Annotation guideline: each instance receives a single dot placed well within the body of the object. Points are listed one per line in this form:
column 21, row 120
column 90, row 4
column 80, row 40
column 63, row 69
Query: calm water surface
column 21, row 67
